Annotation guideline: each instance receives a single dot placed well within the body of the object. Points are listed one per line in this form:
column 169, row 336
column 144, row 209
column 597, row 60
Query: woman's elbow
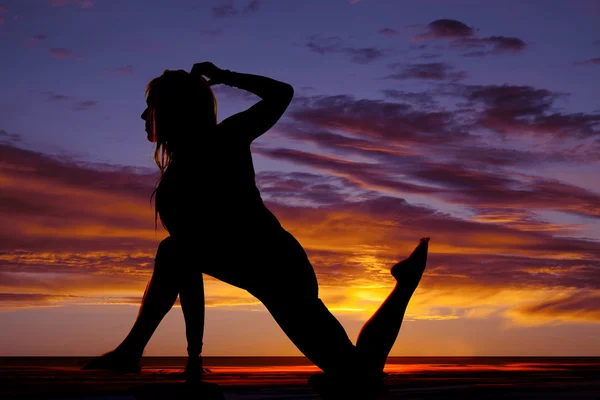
column 288, row 91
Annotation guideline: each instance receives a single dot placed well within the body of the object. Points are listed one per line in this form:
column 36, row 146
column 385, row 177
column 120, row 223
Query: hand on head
column 209, row 70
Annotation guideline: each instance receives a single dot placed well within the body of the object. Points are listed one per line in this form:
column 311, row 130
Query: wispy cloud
column 61, row 53
column 76, row 104
column 388, row 32
column 334, row 44
column 79, row 3
column 85, row 105
column 252, row 7
column 226, row 9
column 464, row 38
column 427, row 71
column 591, row 61
column 36, row 39
column 103, row 252
column 124, row 70
column 490, row 45
column 9, row 138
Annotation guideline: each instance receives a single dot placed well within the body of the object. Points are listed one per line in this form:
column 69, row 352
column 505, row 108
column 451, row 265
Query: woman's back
column 212, row 189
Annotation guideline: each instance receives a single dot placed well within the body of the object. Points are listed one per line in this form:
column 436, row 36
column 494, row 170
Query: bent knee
column 166, row 249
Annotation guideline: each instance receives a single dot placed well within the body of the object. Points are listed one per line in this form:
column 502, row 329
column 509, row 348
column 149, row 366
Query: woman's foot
column 194, row 370
column 409, row 271
column 115, row 361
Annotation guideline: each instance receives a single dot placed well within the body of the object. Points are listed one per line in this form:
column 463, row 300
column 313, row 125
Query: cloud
column 591, row 61
column 252, row 7
column 426, row 71
column 333, row 44
column 8, row 138
column 78, row 105
column 514, row 110
column 389, row 32
column 226, row 9
column 52, row 96
column 80, row 3
column 463, row 37
column 447, row 29
column 377, row 119
column 490, row 45
column 85, row 105
column 61, row 53
column 82, row 233
column 124, row 70
column 572, row 306
column 440, row 155
column 36, row 39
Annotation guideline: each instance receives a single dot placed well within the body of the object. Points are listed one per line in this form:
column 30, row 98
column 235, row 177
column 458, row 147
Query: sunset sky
column 476, row 123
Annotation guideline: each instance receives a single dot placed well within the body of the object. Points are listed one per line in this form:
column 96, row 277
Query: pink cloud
column 80, row 3
column 61, row 53
column 125, row 70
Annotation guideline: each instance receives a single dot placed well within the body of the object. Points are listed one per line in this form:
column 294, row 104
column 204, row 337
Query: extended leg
column 379, row 333
column 159, row 297
column 316, row 333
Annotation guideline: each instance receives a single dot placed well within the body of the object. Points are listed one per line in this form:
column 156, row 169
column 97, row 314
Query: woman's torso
column 211, row 190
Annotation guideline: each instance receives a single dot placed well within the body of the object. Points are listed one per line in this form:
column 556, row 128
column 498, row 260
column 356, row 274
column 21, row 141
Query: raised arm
column 275, row 98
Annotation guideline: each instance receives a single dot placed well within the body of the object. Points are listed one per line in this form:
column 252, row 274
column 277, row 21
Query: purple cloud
column 591, row 61
column 333, row 44
column 224, row 10
column 52, row 96
column 85, row 105
column 447, row 29
column 125, row 70
column 37, row 38
column 252, row 7
column 462, row 37
column 426, row 71
column 490, row 45
column 61, row 53
column 8, row 138
column 389, row 32
column 80, row 3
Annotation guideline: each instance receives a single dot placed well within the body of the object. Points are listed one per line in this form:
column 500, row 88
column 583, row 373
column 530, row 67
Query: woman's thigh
column 268, row 264
column 281, row 267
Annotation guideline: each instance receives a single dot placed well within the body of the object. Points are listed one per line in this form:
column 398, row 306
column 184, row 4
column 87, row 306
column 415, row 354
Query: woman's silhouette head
column 181, row 107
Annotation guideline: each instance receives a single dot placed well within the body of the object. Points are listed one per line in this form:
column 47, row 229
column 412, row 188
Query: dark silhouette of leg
column 379, row 333
column 159, row 297
column 322, row 339
column 316, row 332
column 191, row 296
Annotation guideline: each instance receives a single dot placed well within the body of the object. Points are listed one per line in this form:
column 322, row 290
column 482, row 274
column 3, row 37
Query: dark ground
column 441, row 381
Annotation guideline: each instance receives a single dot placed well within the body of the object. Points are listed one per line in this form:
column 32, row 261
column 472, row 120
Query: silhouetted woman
column 208, row 201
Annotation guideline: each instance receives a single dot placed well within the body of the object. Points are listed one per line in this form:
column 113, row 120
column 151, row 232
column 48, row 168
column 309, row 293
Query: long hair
column 180, row 107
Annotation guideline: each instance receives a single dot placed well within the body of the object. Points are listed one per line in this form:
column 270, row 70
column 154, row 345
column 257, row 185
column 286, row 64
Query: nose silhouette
column 144, row 114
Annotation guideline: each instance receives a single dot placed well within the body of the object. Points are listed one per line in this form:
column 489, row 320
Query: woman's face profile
column 148, row 126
